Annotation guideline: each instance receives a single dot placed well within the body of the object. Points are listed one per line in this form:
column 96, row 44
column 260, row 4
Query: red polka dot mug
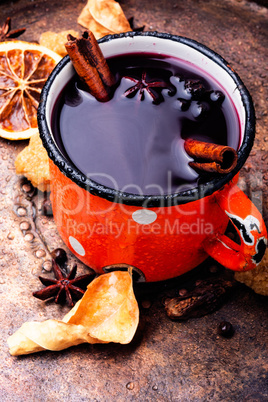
column 160, row 236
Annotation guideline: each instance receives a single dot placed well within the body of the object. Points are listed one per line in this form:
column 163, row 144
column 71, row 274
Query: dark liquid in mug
column 135, row 142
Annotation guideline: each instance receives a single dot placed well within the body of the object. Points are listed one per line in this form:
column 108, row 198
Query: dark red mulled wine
column 135, row 142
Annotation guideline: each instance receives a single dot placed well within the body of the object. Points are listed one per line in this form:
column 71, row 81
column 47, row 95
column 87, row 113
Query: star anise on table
column 6, row 33
column 64, row 287
column 143, row 84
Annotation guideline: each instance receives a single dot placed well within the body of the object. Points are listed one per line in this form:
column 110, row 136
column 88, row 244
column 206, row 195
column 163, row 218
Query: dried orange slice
column 24, row 69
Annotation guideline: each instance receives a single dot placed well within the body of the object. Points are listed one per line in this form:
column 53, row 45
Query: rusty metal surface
column 167, row 361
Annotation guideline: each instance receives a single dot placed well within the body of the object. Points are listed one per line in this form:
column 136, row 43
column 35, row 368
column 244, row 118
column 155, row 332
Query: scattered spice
column 59, row 255
column 64, row 288
column 194, row 88
column 211, row 158
column 6, row 32
column 226, row 329
column 143, row 84
column 205, row 298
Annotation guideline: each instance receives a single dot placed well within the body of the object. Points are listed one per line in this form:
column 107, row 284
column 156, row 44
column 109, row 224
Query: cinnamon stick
column 209, row 157
column 90, row 65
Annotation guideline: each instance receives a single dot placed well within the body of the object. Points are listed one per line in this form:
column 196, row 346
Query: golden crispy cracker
column 32, row 162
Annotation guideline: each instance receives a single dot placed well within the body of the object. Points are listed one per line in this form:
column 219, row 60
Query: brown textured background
column 167, row 361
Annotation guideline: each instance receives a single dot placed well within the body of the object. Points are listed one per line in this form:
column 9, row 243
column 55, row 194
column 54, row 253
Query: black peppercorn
column 59, row 255
column 226, row 329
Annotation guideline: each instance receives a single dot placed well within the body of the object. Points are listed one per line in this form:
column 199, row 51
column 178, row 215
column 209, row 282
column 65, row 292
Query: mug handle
column 250, row 227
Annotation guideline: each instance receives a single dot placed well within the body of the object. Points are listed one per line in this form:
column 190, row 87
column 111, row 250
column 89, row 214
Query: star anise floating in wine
column 6, row 32
column 143, row 84
column 64, row 287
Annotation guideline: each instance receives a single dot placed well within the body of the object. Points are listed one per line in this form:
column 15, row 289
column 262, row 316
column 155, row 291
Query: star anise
column 143, row 84
column 6, row 33
column 64, row 287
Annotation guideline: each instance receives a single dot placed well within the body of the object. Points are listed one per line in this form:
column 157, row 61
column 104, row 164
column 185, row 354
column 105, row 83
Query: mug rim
column 150, row 201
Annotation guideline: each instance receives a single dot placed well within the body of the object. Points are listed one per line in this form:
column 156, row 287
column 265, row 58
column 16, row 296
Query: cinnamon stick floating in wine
column 90, row 65
column 211, row 158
